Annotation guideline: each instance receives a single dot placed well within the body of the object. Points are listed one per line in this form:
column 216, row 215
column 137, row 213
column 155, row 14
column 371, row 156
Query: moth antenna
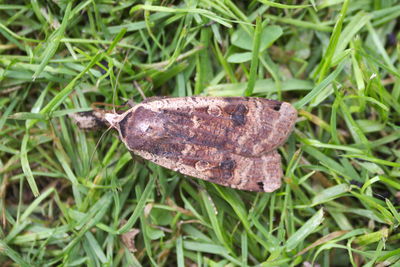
column 98, row 143
column 139, row 88
column 110, row 117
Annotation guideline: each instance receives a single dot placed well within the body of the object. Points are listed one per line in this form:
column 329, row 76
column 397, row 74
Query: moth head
column 112, row 119
column 137, row 125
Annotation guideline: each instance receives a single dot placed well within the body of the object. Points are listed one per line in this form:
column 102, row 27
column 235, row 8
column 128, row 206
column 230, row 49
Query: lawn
column 70, row 197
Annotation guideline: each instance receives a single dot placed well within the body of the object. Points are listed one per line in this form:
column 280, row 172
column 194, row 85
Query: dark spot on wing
column 238, row 119
column 224, row 170
column 239, row 115
column 261, row 185
column 277, row 107
column 227, row 164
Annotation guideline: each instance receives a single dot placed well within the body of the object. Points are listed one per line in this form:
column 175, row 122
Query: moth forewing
column 229, row 141
column 261, row 174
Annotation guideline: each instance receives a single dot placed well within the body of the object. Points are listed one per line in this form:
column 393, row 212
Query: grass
column 336, row 61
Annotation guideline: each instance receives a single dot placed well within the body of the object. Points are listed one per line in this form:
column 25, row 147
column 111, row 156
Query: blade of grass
column 322, row 85
column 278, row 5
column 254, row 59
column 26, row 168
column 179, row 252
column 307, row 228
column 330, row 51
column 59, row 98
column 330, row 193
column 53, row 43
column 139, row 207
column 12, row 254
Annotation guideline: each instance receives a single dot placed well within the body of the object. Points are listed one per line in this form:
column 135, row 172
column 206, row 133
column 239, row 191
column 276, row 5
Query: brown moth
column 230, row 141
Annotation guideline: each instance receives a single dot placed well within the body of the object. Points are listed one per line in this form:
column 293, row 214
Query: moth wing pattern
column 229, row 141
column 244, row 126
column 260, row 174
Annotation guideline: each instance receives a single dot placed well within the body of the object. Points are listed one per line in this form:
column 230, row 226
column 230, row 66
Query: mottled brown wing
column 262, row 174
column 249, row 127
column 229, row 141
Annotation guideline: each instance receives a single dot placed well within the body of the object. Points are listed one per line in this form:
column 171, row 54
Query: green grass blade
column 53, row 42
column 26, row 167
column 307, row 228
column 278, row 5
column 12, row 254
column 330, row 51
column 254, row 59
column 59, row 98
column 319, row 88
column 139, row 207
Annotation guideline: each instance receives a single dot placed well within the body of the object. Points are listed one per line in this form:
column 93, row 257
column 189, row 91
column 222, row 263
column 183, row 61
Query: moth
column 230, row 141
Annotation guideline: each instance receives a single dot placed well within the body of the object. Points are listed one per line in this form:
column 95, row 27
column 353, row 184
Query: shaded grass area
column 66, row 202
